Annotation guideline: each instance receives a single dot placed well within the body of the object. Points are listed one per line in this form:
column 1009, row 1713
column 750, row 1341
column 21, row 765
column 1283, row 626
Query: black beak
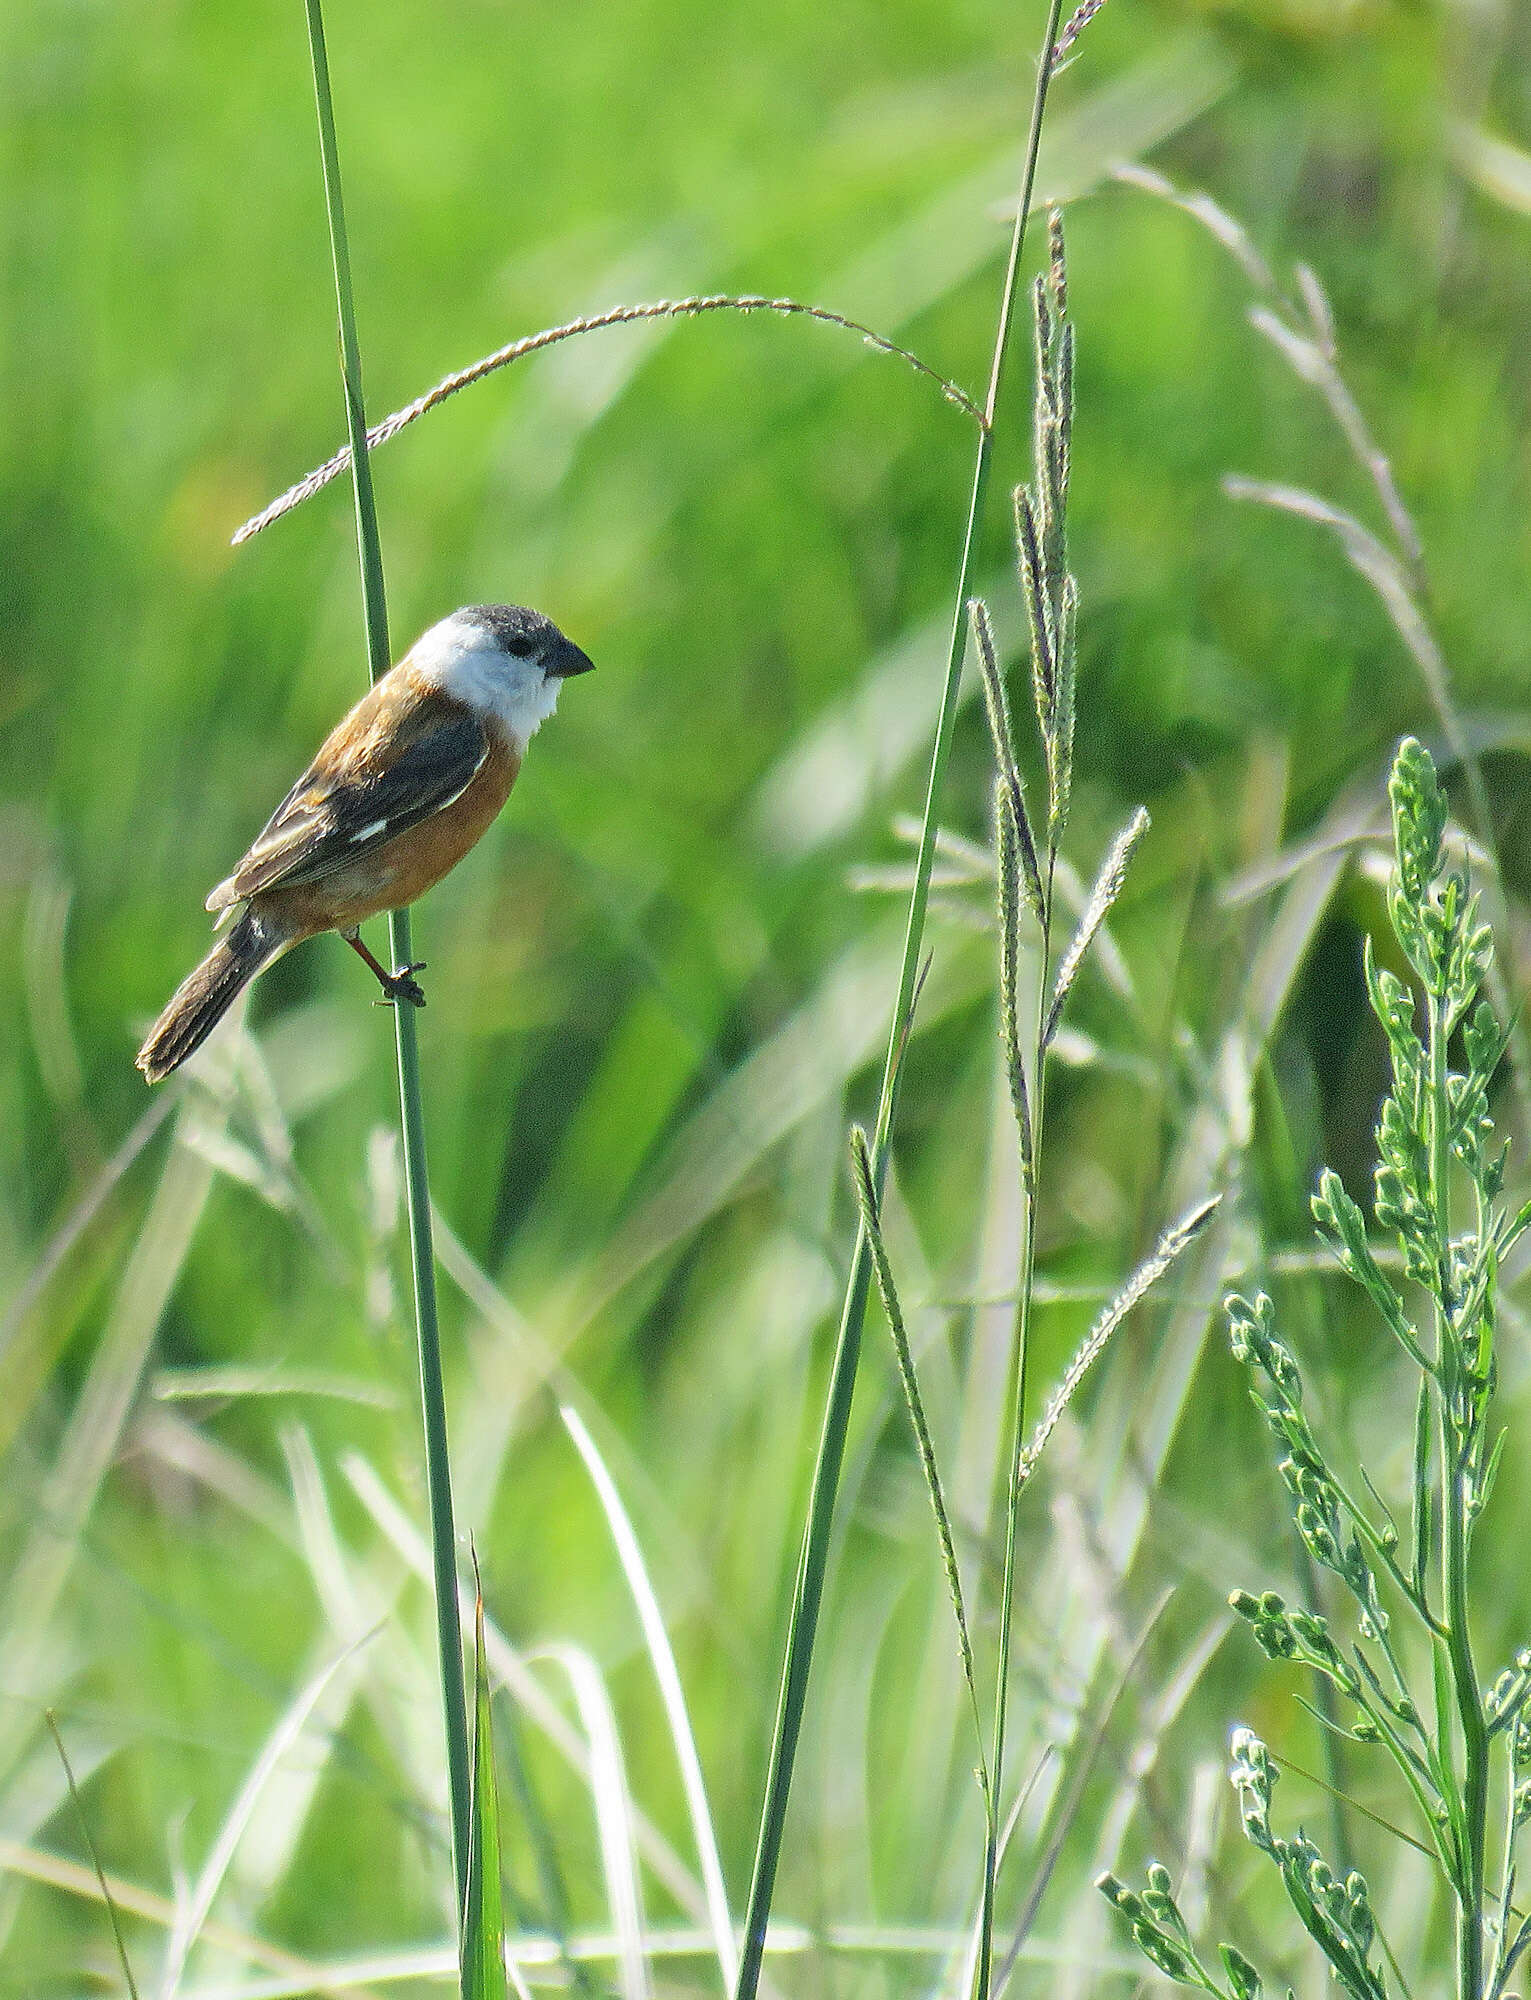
column 567, row 660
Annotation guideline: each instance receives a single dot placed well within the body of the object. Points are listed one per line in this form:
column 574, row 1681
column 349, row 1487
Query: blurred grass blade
column 95, row 1858
column 1151, row 1732
column 1396, row 574
column 614, row 1818
column 1108, row 886
column 483, row 1920
column 537, row 1830
column 287, row 1972
column 289, row 1728
column 83, row 1213
column 512, row 1670
column 92, row 1439
column 662, row 1657
column 411, row 1108
column 1068, row 1801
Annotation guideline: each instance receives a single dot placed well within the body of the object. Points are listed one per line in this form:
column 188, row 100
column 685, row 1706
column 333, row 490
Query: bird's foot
column 402, row 985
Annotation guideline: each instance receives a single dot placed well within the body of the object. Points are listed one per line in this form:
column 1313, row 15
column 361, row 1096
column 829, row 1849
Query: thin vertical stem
column 416, row 1180
column 1454, row 1527
column 1016, row 1404
column 809, row 1588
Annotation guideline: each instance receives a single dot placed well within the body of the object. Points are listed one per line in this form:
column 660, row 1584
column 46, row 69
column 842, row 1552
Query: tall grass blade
column 809, row 1588
column 417, row 1185
column 1041, row 538
column 483, row 1918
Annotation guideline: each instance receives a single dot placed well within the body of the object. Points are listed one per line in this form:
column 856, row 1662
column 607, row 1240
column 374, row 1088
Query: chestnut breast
column 397, row 871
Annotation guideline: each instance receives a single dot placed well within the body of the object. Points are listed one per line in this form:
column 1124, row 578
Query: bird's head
column 501, row 660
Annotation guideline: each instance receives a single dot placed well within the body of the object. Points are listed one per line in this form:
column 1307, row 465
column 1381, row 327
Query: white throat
column 462, row 659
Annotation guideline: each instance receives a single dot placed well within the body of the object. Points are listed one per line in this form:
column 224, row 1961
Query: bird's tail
column 202, row 999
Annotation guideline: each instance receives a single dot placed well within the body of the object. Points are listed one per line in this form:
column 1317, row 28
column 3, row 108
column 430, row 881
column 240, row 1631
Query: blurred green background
column 659, row 988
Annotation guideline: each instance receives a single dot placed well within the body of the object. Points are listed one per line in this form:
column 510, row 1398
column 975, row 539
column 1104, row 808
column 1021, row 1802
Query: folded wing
column 398, row 757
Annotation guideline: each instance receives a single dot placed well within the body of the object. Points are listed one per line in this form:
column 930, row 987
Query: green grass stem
column 809, row 1589
column 115, row 1921
column 417, row 1183
column 1455, row 1497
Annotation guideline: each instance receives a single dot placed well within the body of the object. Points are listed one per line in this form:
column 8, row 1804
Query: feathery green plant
column 1437, row 1159
column 1025, row 866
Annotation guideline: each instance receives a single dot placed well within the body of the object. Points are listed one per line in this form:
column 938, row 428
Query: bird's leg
column 398, row 985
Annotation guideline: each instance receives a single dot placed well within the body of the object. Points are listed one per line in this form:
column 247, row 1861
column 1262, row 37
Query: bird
column 399, row 791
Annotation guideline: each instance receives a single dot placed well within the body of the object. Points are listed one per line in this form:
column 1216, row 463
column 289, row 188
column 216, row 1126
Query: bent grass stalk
column 417, row 1184
column 809, row 1589
column 534, row 343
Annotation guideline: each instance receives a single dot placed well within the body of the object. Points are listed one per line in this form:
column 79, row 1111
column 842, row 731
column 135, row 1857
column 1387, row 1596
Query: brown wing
column 398, row 757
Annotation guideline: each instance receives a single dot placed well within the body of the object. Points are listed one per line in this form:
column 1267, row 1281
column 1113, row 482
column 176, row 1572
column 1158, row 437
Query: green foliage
column 659, row 988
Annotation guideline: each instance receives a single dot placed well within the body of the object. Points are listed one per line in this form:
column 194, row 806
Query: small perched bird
column 398, row 793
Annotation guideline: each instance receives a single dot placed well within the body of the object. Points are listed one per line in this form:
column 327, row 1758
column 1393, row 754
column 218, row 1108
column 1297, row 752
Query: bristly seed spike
column 1063, row 724
column 1005, row 875
column 995, row 696
column 1001, row 730
column 1057, row 266
column 1044, row 341
column 1037, row 610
